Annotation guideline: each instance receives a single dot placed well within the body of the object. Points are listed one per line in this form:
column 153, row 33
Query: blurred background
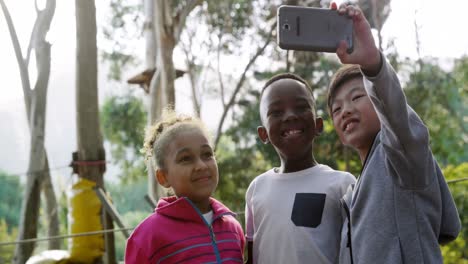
column 82, row 79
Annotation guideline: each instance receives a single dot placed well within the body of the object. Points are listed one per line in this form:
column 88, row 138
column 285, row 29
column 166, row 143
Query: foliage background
column 230, row 28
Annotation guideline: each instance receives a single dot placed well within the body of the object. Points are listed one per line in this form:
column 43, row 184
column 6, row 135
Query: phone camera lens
column 286, row 26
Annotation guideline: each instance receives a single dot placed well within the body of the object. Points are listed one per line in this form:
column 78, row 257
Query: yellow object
column 84, row 215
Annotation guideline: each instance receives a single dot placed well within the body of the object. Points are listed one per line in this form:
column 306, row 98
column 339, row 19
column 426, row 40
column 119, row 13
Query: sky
column 440, row 29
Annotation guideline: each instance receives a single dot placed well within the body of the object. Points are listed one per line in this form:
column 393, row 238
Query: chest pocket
column 308, row 209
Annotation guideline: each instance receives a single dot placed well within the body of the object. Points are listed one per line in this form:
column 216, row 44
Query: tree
column 121, row 30
column 89, row 135
column 457, row 251
column 227, row 23
column 129, row 202
column 89, row 160
column 166, row 25
column 7, row 233
column 125, row 26
column 241, row 156
column 35, row 103
column 459, row 104
column 376, row 12
column 10, row 195
column 124, row 121
column 163, row 28
column 437, row 96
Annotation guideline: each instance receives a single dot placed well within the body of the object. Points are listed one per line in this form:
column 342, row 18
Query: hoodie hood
column 182, row 208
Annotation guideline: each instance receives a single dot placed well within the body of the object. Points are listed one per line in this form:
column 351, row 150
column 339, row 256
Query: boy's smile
column 350, row 124
column 293, row 136
column 292, row 133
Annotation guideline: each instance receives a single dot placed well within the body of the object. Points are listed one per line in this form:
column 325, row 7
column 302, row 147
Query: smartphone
column 313, row 29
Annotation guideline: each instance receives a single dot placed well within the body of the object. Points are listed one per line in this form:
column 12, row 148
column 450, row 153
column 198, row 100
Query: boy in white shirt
column 293, row 212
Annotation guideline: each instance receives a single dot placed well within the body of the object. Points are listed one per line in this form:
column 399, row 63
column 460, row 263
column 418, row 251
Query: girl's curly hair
column 159, row 135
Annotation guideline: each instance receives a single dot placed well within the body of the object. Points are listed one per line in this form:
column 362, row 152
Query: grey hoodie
column 401, row 207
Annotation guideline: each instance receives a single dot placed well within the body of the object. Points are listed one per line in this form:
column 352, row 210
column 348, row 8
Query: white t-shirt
column 296, row 217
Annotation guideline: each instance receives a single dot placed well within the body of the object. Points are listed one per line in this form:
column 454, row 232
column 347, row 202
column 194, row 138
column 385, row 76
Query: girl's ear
column 263, row 135
column 161, row 176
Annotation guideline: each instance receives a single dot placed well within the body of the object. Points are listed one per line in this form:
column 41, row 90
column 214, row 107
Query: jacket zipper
column 210, row 229
column 348, row 215
column 213, row 242
column 213, row 236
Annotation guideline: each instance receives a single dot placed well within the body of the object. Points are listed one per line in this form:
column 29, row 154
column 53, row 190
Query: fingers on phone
column 349, row 10
column 342, row 9
column 341, row 51
column 358, row 13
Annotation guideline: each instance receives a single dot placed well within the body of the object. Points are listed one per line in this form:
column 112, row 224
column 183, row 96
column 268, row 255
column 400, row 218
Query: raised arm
column 403, row 134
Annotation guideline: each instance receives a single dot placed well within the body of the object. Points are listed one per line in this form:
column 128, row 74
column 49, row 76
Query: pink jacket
column 177, row 233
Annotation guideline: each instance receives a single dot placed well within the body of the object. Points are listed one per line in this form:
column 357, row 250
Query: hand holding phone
column 313, row 29
column 365, row 52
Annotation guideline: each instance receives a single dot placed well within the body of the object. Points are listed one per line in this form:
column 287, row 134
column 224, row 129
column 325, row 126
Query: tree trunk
column 165, row 42
column 165, row 31
column 43, row 66
column 90, row 143
column 35, row 104
column 154, row 109
column 168, row 27
column 37, row 157
column 29, row 215
column 51, row 208
column 193, row 85
column 43, row 52
column 192, row 71
column 150, row 37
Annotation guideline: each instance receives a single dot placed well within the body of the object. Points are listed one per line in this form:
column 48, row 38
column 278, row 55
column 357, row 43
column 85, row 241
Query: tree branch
column 190, row 60
column 220, row 77
column 240, row 83
column 181, row 17
column 164, row 13
column 19, row 58
column 41, row 27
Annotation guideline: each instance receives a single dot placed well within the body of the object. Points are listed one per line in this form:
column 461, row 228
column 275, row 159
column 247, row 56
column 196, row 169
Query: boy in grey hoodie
column 401, row 208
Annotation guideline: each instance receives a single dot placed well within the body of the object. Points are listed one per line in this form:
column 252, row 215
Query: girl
column 190, row 227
